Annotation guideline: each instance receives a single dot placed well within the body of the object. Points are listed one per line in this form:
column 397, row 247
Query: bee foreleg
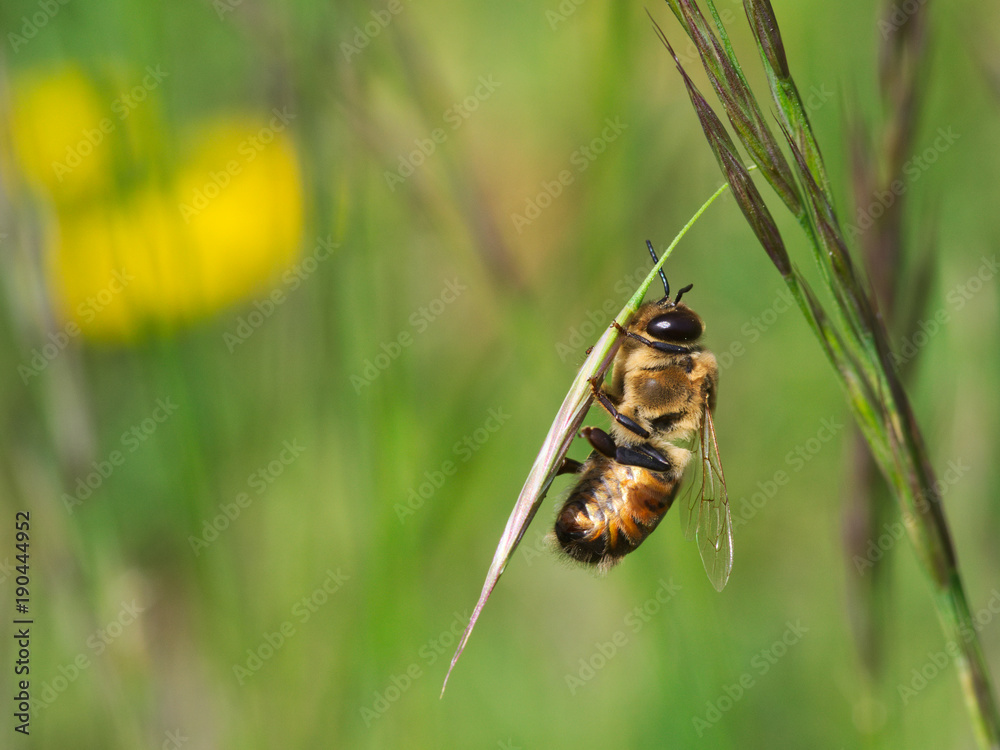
column 620, row 418
column 643, row 456
column 660, row 346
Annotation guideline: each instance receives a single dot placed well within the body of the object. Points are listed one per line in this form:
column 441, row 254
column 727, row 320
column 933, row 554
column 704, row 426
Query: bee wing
column 705, row 512
column 690, row 503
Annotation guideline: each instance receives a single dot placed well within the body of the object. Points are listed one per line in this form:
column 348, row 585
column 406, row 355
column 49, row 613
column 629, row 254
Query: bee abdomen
column 600, row 524
column 582, row 530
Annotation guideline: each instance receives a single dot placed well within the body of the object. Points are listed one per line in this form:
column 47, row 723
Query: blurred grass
column 494, row 346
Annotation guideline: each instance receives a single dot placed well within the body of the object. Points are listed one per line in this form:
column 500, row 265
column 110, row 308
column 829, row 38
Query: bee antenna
column 663, row 276
column 683, row 291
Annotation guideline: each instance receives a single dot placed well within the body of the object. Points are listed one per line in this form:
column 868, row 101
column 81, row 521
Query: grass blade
column 860, row 352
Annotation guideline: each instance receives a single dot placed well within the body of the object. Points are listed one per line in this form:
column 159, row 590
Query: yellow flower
column 230, row 225
column 239, row 198
column 112, row 268
column 60, row 134
column 220, row 228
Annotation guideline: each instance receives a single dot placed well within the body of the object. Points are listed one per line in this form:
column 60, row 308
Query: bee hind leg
column 644, row 456
column 569, row 466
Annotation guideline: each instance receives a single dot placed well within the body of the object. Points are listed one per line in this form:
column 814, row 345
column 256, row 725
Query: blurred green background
column 291, row 294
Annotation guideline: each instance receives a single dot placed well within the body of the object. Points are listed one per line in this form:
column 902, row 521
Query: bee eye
column 677, row 325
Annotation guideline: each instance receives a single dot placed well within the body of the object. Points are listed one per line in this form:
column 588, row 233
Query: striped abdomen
column 611, row 510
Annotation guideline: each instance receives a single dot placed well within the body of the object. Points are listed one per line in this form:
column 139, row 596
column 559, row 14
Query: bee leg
column 569, row 466
column 633, row 457
column 601, row 441
column 643, row 456
column 620, row 418
column 661, row 346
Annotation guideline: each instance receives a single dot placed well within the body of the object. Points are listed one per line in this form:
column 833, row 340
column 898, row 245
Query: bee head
column 676, row 322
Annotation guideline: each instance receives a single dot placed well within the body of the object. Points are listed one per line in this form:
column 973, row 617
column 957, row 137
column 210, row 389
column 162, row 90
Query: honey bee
column 662, row 392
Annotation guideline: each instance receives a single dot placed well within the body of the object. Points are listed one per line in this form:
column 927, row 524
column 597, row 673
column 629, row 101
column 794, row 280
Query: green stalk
column 858, row 347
